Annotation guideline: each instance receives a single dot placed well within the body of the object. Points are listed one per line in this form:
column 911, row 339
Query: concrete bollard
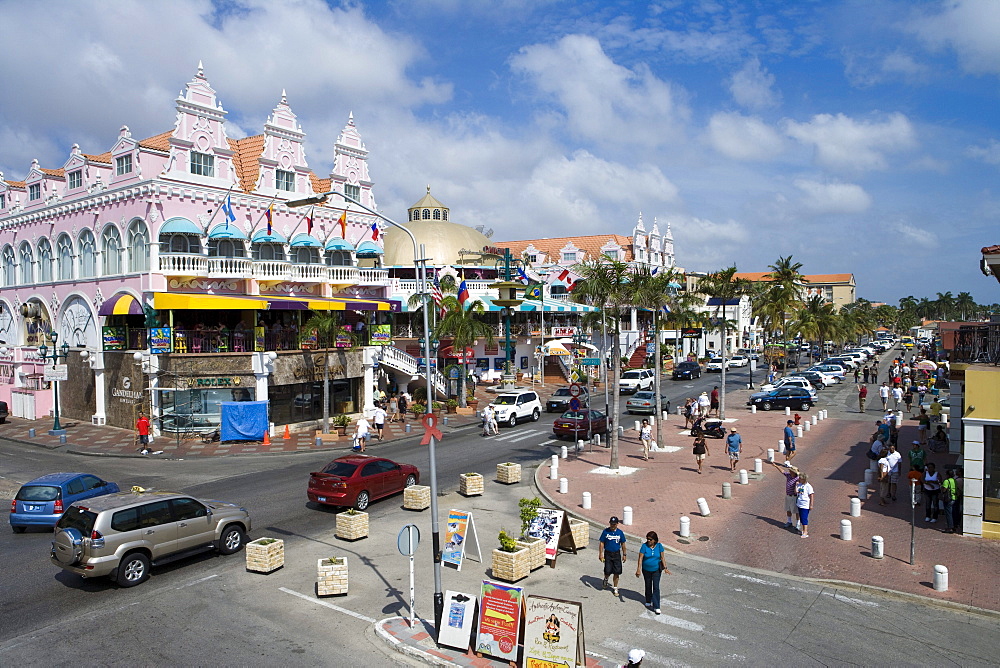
column 781, row 446
column 869, row 477
column 564, row 485
column 826, row 413
column 407, row 428
column 798, row 430
column 753, row 410
column 579, row 445
column 703, row 507
column 563, row 452
column 727, row 490
column 814, row 420
column 445, row 420
column 744, row 477
column 664, row 415
column 855, row 507
column 627, row 516
column 62, row 438
column 597, row 439
column 586, row 501
column 845, row 529
column 873, row 465
column 621, row 431
column 940, row 578
column 554, row 468
column 758, row 465
column 788, row 410
column 863, row 491
column 899, row 418
column 638, row 425
column 680, row 410
column 878, row 545
column 770, row 454
column 685, row 527
column 31, row 433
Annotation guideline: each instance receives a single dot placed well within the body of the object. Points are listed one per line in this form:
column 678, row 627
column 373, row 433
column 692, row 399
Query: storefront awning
column 339, row 244
column 224, row 231
column 166, row 301
column 303, row 239
column 182, row 301
column 549, row 306
column 369, row 249
column 121, row 304
column 178, row 225
column 343, row 303
column 261, row 236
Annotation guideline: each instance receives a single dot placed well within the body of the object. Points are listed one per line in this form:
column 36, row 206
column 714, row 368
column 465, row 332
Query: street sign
column 575, row 390
column 591, row 361
column 56, row 372
column 574, row 404
column 408, row 539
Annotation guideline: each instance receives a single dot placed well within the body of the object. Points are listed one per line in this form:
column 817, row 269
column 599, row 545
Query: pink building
column 173, row 276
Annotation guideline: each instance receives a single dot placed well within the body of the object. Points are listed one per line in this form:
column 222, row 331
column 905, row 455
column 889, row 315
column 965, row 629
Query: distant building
column 840, row 289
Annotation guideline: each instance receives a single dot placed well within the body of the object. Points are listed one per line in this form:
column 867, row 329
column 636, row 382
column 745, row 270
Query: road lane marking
column 655, row 659
column 198, row 581
column 666, row 603
column 524, row 437
column 305, row 597
column 684, row 624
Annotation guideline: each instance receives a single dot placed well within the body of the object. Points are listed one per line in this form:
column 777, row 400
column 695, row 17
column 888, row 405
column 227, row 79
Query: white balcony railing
column 183, row 264
column 373, row 276
column 230, row 267
column 342, row 275
column 309, row 273
column 271, row 270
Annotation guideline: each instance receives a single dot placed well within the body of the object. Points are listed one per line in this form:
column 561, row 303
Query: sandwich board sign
column 460, row 528
column 456, row 622
column 500, row 615
column 549, row 524
column 553, row 633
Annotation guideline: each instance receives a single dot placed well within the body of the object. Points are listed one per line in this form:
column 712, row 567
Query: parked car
column 513, row 406
column 714, row 365
column 4, row 412
column 839, row 371
column 123, row 535
column 357, row 480
column 791, row 381
column 645, row 403
column 635, row 380
column 687, row 371
column 41, row 502
column 738, row 361
column 749, row 353
column 818, row 379
column 559, row 401
column 580, row 424
column 796, row 398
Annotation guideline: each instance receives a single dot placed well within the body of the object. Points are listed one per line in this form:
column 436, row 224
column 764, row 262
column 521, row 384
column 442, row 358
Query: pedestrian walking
column 857, row 373
column 932, row 488
column 635, row 657
column 652, row 563
column 378, row 418
column 646, row 436
column 917, row 455
column 490, row 425
column 393, row 408
column 142, row 430
column 700, row 451
column 690, row 409
column 404, row 402
column 791, row 480
column 884, row 467
column 862, row 395
column 713, row 401
column 897, row 397
column 704, row 404
column 867, row 373
column 923, row 426
column 921, row 392
column 734, row 446
column 948, row 495
column 804, row 499
column 361, row 434
column 883, row 394
column 908, row 399
column 611, row 552
column 894, row 458
column 789, row 441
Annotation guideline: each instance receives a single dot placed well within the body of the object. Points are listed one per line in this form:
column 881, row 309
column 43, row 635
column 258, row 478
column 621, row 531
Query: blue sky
column 857, row 137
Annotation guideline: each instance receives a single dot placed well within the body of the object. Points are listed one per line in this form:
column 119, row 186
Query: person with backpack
column 949, row 494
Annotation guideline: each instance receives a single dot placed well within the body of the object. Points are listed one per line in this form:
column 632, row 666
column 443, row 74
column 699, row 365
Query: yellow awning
column 337, row 303
column 165, row 301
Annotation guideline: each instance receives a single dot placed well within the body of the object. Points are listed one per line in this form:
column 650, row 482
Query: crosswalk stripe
column 684, row 624
column 525, row 437
column 654, row 659
column 517, row 435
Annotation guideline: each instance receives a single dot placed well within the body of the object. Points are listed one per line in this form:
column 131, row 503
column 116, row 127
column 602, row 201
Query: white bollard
column 621, row 431
column 685, row 526
column 788, row 410
column 727, row 490
column 814, row 420
column 627, row 515
column 744, row 477
column 664, row 415
column 753, row 409
column 863, row 491
column 564, row 485
column 586, row 501
column 638, row 425
column 758, row 466
column 554, row 468
column 869, row 477
column 798, row 430
column 703, row 507
column 563, row 452
column 770, row 454
column 940, row 578
column 597, row 439
column 845, row 529
column 855, row 507
column 680, row 410
column 873, row 465
column 826, row 413
column 899, row 418
column 878, row 547
column 579, row 445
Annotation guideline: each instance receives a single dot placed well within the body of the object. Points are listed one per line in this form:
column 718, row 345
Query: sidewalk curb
column 846, row 584
column 407, row 650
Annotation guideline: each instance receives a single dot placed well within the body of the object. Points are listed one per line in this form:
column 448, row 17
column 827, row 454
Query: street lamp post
column 508, row 301
column 420, row 266
column 56, row 355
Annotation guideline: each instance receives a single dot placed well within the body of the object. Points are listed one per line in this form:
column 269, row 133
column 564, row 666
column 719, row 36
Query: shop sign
column 159, row 340
column 228, row 381
column 499, row 620
column 343, row 338
column 548, row 525
column 258, row 339
column 381, row 335
column 562, row 331
column 691, row 333
column 113, row 338
column 553, row 633
column 56, row 372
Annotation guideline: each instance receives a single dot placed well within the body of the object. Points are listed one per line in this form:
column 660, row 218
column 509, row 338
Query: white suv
column 791, row 381
column 513, row 406
column 635, row 380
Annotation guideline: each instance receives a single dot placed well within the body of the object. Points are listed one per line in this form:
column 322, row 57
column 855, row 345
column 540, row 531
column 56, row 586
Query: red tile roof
column 15, row 184
column 104, row 158
column 246, row 160
column 160, row 142
column 61, row 173
column 591, row 245
column 991, row 250
column 761, row 276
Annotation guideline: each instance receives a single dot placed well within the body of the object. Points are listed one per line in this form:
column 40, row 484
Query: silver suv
column 122, row 535
column 513, row 406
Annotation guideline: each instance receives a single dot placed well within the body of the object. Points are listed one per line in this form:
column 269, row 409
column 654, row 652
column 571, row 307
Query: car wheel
column 18, row 529
column 411, row 480
column 806, row 405
column 535, row 415
column 766, row 406
column 232, row 539
column 362, row 501
column 133, row 570
column 513, row 420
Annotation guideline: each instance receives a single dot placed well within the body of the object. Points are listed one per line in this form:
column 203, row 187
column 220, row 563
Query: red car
column 580, row 424
column 357, row 480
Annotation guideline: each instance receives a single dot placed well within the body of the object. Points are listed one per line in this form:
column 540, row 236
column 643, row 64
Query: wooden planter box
column 265, row 555
column 352, row 526
column 581, row 532
column 331, row 578
column 508, row 473
column 511, row 566
column 465, row 411
column 470, row 484
column 536, row 551
column 417, row 497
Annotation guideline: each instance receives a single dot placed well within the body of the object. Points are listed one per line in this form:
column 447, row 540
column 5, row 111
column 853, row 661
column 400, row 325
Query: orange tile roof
column 160, row 142
column 591, row 245
column 104, row 158
column 320, row 185
column 15, row 184
column 246, row 160
column 991, row 250
column 760, row 276
column 54, row 172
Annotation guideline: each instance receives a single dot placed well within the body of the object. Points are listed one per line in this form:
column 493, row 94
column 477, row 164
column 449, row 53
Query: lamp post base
column 57, row 432
column 508, row 381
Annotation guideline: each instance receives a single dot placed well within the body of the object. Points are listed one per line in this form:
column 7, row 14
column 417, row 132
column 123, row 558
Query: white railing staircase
column 395, row 358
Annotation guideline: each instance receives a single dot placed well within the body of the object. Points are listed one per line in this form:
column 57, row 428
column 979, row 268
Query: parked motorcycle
column 709, row 428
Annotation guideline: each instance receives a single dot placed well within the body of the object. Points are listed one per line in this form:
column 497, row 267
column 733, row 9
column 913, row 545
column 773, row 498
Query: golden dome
column 443, row 239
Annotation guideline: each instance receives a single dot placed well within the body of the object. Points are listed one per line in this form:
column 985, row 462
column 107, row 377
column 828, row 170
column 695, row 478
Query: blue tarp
column 244, row 420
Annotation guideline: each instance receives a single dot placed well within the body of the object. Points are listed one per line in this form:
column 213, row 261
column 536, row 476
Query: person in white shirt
column 362, row 433
column 804, row 497
column 893, row 458
column 884, row 477
column 897, row 397
column 379, row 419
column 883, row 394
column 704, row 404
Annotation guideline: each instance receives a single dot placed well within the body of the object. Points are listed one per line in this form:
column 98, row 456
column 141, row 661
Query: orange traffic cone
column 267, row 437
column 288, row 434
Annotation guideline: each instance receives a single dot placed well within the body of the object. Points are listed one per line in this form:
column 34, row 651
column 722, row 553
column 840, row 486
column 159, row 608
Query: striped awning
column 182, row 301
column 343, row 303
column 121, row 304
column 369, row 249
column 549, row 306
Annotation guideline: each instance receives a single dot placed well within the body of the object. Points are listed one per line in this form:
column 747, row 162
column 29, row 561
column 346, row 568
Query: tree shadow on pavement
column 768, row 520
column 852, row 468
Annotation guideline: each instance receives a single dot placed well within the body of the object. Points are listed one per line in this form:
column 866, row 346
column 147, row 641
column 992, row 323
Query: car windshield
column 686, row 365
column 505, row 400
column 38, row 493
column 342, row 469
column 562, row 392
column 570, row 415
column 642, row 395
column 77, row 518
column 631, row 374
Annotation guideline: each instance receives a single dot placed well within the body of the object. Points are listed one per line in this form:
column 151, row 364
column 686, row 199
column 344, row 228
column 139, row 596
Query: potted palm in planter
column 535, row 546
column 340, row 424
column 510, row 563
column 452, row 405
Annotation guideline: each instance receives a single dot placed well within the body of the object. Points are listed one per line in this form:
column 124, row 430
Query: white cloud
column 870, row 68
column 601, row 100
column 833, row 198
column 706, row 245
column 970, row 28
column 906, row 235
column 753, row 87
column 744, row 137
column 990, row 152
column 842, row 143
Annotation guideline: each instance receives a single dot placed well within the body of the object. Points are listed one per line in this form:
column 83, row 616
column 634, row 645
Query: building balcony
column 183, row 264
column 342, row 275
column 272, row 270
column 373, row 276
column 310, row 273
column 230, row 267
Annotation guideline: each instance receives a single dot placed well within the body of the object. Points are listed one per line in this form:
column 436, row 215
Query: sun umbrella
column 926, row 365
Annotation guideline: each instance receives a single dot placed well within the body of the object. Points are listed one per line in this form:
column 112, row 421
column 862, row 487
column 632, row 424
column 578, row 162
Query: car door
column 75, row 491
column 195, row 526
column 158, row 528
column 393, row 479
column 92, row 486
column 598, row 422
column 784, row 397
column 373, row 479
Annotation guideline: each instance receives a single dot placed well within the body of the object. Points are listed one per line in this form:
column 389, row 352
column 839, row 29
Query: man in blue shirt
column 789, row 441
column 734, row 446
column 611, row 552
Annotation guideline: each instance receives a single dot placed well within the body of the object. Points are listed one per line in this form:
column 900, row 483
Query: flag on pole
column 227, row 208
column 309, row 221
column 463, row 293
column 267, row 214
column 436, row 293
column 343, row 224
column 522, row 276
column 533, row 291
column 568, row 277
column 375, row 231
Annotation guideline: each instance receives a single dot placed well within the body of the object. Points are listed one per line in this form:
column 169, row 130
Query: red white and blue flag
column 463, row 293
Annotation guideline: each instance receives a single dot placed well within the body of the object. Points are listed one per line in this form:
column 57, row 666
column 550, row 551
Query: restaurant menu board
column 456, row 624
column 159, row 340
column 454, row 538
column 499, row 620
column 258, row 339
column 381, row 335
column 553, row 633
column 547, row 525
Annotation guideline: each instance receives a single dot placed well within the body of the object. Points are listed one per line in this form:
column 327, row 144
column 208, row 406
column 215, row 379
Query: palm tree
column 816, row 320
column 723, row 287
column 965, row 305
column 461, row 324
column 781, row 296
column 609, row 284
column 944, row 305
column 325, row 325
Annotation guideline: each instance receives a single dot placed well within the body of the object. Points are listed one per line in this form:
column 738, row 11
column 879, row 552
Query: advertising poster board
column 548, row 525
column 343, row 337
column 113, row 338
column 454, row 538
column 381, row 335
column 553, row 633
column 500, row 609
column 159, row 340
column 456, row 623
column 258, row 339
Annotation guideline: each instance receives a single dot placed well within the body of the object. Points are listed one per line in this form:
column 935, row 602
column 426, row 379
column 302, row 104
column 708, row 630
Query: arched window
column 111, row 251
column 27, row 264
column 88, row 255
column 415, row 214
column 444, row 214
column 64, row 257
column 44, row 261
column 305, row 255
column 138, row 247
column 437, row 214
column 226, row 248
column 180, row 243
column 338, row 258
column 9, row 267
column 427, row 214
column 268, row 250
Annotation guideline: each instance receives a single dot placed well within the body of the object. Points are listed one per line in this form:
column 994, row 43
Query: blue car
column 42, row 501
